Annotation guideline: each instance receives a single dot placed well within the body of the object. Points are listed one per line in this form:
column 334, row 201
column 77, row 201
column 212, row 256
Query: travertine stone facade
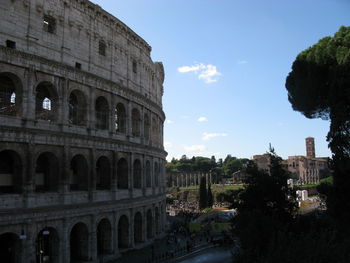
column 81, row 134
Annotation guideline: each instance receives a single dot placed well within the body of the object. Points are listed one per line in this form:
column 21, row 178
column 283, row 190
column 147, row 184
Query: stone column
column 65, row 243
column 131, row 174
column 144, row 224
column 91, row 118
column 92, row 172
column 128, row 119
column 131, row 230
column 142, row 125
column 93, row 238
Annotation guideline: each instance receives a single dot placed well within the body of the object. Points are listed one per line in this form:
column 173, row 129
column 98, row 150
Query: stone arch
column 146, row 126
column 77, row 108
column 79, row 243
column 157, row 220
column 102, row 113
column 104, row 237
column 122, row 174
column 10, row 248
column 47, row 246
column 79, row 173
column 156, row 174
column 138, row 228
column 137, row 176
column 103, row 173
column 10, row 94
column 136, row 120
column 47, row 173
column 123, row 232
column 11, row 174
column 120, row 118
column 148, row 174
column 46, row 102
column 149, row 221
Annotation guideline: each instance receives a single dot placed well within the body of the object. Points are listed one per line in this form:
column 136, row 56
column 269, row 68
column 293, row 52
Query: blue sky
column 225, row 67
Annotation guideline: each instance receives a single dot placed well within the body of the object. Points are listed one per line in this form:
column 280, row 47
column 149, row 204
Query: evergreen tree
column 210, row 197
column 203, row 198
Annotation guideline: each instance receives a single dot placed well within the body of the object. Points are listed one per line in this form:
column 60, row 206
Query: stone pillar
column 142, row 125
column 131, row 174
column 93, row 238
column 129, row 119
column 131, row 230
column 28, row 99
column 65, row 243
column 92, row 172
column 63, row 114
column 144, row 224
column 91, row 110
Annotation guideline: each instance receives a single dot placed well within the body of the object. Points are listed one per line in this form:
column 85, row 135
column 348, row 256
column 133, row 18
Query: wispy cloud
column 208, row 73
column 241, row 62
column 168, row 144
column 169, row 122
column 202, row 119
column 207, row 136
column 195, row 148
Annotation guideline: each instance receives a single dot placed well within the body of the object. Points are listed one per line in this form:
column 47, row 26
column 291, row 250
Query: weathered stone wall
column 80, row 148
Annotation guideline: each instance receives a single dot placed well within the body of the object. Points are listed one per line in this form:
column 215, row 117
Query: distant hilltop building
column 82, row 175
column 306, row 169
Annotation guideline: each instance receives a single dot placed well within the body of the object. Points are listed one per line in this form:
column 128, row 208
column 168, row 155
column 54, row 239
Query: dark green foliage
column 319, row 86
column 267, row 193
column 203, row 197
column 210, row 197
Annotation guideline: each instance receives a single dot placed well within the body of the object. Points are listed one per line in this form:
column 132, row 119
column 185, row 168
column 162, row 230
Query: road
column 212, row 255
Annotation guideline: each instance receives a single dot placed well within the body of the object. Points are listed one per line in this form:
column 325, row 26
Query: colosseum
column 82, row 175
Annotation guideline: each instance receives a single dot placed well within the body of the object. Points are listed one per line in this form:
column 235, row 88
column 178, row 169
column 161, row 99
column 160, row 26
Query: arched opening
column 103, row 173
column 122, row 174
column 157, row 217
column 46, row 102
column 47, row 173
column 10, row 248
column 10, row 172
column 123, row 232
column 146, row 126
column 138, row 228
column 135, row 118
column 137, row 174
column 102, row 48
column 148, row 174
column 10, row 94
column 120, row 118
column 156, row 174
column 101, row 110
column 79, row 243
column 149, row 224
column 154, row 131
column 77, row 108
column 104, row 238
column 47, row 246
column 79, row 174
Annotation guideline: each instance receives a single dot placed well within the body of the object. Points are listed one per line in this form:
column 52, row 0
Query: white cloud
column 169, row 122
column 241, row 62
column 202, row 119
column 207, row 73
column 168, row 144
column 195, row 148
column 208, row 136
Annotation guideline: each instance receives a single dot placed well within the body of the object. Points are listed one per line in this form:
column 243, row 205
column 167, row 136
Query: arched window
column 79, row 173
column 79, row 243
column 47, row 173
column 77, row 108
column 46, row 102
column 149, row 218
column 123, row 232
column 10, row 94
column 103, row 174
column 154, row 131
column 148, row 174
column 10, row 172
column 120, row 118
column 104, row 237
column 146, row 127
column 137, row 174
column 102, row 48
column 122, row 174
column 138, row 228
column 156, row 174
column 102, row 110
column 135, row 117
